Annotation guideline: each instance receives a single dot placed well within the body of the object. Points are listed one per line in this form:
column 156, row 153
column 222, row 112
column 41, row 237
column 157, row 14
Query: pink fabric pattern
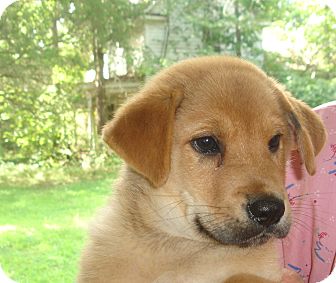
column 310, row 247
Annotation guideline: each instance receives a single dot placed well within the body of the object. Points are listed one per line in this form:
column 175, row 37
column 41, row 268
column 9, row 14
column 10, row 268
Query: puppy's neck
column 159, row 213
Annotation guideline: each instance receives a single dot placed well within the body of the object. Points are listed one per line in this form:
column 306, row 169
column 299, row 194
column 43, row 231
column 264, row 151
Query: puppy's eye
column 274, row 143
column 206, row 145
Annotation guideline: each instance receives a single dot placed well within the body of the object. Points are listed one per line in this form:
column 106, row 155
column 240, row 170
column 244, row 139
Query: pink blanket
column 310, row 247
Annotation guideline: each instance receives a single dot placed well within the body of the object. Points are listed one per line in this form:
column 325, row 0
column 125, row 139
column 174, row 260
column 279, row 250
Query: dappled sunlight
column 51, row 226
column 27, row 175
column 80, row 222
column 11, row 228
column 6, row 228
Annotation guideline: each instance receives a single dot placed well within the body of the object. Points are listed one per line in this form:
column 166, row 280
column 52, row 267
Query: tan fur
column 147, row 232
column 247, row 278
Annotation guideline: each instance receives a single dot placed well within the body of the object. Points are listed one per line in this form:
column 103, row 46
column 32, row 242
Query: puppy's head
column 218, row 131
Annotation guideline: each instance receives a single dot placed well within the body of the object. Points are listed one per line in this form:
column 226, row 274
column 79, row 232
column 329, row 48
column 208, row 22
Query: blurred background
column 66, row 66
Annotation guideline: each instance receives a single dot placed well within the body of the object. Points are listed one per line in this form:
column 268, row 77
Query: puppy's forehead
column 238, row 97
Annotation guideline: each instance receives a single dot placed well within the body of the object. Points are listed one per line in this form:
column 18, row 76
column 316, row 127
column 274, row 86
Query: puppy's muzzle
column 264, row 218
column 266, row 211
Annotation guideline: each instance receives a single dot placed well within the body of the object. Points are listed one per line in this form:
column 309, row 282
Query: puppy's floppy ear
column 142, row 131
column 310, row 134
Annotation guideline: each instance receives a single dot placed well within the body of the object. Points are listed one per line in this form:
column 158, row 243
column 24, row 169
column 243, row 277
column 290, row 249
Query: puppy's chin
column 242, row 235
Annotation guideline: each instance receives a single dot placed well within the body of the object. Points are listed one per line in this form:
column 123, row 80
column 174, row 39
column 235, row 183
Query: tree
column 111, row 22
column 33, row 90
column 45, row 49
column 308, row 72
column 233, row 26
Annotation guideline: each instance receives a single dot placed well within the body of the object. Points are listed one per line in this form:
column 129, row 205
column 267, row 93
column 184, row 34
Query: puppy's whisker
column 306, row 205
column 311, row 201
column 309, row 226
column 206, row 215
column 314, row 217
column 180, row 216
column 301, row 224
column 309, row 206
column 298, row 196
column 316, row 194
column 298, row 214
column 204, row 221
column 297, row 219
column 215, row 224
column 175, row 206
column 210, row 206
column 306, row 209
column 157, row 210
column 198, row 251
column 165, row 195
column 145, row 192
column 308, row 200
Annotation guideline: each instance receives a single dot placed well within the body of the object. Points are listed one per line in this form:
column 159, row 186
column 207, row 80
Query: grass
column 43, row 227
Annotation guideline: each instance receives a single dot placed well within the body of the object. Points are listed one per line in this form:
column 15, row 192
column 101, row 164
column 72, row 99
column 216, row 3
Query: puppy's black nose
column 266, row 210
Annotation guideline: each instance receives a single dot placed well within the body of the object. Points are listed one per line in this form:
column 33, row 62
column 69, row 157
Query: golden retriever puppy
column 201, row 197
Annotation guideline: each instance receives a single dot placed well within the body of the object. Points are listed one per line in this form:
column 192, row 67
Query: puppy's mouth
column 242, row 235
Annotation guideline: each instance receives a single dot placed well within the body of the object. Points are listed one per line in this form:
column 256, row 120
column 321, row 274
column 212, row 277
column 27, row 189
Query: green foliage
column 234, row 26
column 152, row 64
column 28, row 175
column 313, row 90
column 45, row 49
column 310, row 72
column 112, row 21
column 39, row 72
column 47, row 46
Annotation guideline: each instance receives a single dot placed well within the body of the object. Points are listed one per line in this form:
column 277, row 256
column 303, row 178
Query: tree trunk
column 167, row 33
column 237, row 29
column 91, row 131
column 54, row 27
column 75, row 127
column 99, row 83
